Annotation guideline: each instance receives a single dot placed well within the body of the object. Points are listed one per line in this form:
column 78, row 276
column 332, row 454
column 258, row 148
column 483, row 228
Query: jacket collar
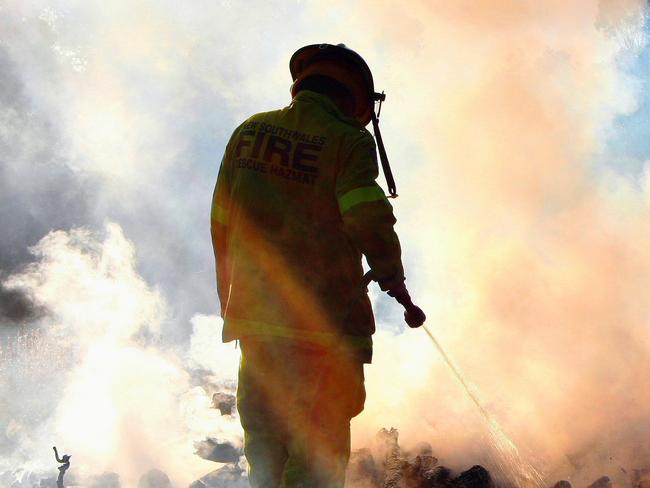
column 326, row 103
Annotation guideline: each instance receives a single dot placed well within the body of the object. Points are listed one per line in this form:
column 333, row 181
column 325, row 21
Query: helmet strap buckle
column 379, row 97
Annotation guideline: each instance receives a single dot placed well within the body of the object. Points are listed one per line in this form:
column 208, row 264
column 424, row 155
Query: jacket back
column 295, row 207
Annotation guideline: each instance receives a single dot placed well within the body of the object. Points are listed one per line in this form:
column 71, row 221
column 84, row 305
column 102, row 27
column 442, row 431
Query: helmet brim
column 363, row 85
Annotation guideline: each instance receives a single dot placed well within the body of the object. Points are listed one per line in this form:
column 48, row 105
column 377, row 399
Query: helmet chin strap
column 388, row 174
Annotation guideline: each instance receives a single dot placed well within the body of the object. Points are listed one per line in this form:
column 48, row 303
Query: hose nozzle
column 413, row 315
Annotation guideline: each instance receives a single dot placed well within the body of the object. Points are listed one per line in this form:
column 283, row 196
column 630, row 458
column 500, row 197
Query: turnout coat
column 295, row 208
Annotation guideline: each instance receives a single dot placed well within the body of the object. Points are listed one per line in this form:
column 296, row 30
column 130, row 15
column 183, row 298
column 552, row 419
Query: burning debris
column 562, row 484
column 389, row 466
column 385, row 465
column 476, row 476
column 154, row 478
column 603, row 482
column 65, row 460
column 224, row 402
column 220, row 452
column 231, row 476
column 641, row 478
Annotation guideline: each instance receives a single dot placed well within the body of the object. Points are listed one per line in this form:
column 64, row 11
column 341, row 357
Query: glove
column 413, row 315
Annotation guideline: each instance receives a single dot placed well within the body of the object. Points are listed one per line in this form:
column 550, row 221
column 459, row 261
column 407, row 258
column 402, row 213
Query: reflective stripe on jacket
column 295, row 207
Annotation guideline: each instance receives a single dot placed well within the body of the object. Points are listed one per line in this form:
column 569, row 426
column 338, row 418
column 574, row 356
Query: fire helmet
column 343, row 65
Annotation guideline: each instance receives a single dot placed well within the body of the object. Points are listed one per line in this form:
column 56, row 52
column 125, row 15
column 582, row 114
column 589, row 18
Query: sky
column 517, row 136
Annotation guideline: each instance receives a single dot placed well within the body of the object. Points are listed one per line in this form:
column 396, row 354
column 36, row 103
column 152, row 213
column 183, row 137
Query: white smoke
column 530, row 260
column 527, row 250
column 126, row 403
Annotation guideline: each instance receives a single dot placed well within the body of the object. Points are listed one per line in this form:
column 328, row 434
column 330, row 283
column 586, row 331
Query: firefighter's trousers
column 295, row 403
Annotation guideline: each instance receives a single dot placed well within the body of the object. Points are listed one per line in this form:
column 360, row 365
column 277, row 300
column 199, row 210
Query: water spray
column 508, row 460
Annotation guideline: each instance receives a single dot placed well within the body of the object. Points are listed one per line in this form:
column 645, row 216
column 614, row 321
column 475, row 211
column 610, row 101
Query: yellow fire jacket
column 295, row 207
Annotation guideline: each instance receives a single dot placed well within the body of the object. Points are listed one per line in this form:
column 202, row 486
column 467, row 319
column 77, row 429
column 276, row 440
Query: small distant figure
column 63, row 468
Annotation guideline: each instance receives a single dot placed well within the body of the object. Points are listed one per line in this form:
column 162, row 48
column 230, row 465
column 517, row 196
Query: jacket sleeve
column 367, row 215
column 219, row 227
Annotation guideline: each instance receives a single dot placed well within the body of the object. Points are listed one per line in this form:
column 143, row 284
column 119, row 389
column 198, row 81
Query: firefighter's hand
column 414, row 316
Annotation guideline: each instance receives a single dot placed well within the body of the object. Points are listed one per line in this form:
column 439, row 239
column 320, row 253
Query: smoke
column 94, row 376
column 525, row 234
column 529, row 250
column 120, row 112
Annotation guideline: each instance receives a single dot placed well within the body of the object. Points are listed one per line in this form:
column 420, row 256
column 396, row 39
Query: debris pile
column 229, row 476
column 562, row 484
column 154, row 478
column 385, row 465
column 641, row 478
column 388, row 466
column 602, row 482
column 220, row 452
column 224, row 402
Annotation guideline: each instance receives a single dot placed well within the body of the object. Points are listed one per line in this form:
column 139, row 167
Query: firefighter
column 295, row 208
